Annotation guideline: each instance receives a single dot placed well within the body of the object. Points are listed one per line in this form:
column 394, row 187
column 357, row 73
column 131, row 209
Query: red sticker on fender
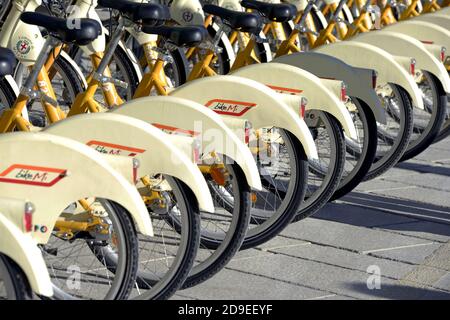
column 229, row 107
column 285, row 90
column 170, row 130
column 32, row 175
column 114, row 149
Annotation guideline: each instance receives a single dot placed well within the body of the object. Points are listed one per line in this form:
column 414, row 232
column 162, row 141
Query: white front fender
column 358, row 80
column 445, row 11
column 64, row 171
column 22, row 248
column 121, row 135
column 187, row 117
column 288, row 80
column 436, row 18
column 390, row 68
column 401, row 44
column 423, row 31
column 233, row 96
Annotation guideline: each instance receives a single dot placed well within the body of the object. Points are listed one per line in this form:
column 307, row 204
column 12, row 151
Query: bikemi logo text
column 114, row 149
column 229, row 107
column 32, row 175
column 29, row 175
column 105, row 150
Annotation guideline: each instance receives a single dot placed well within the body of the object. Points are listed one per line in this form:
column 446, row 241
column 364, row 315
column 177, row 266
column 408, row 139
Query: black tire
column 335, row 169
column 13, row 282
column 438, row 112
column 132, row 249
column 7, row 95
column 444, row 131
column 356, row 173
column 299, row 163
column 185, row 264
column 68, row 81
column 225, row 249
column 402, row 140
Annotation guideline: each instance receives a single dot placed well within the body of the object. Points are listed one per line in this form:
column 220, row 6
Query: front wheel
column 77, row 256
column 283, row 168
column 13, row 282
column 223, row 231
column 360, row 152
column 427, row 122
column 166, row 259
column 393, row 137
column 326, row 172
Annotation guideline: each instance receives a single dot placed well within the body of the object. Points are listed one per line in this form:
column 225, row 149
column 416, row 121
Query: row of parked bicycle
column 138, row 173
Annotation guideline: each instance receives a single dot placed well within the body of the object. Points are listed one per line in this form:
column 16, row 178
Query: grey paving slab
column 443, row 144
column 231, row 284
column 182, row 296
column 440, row 258
column 430, row 180
column 443, row 282
column 400, row 206
column 381, row 184
column 414, row 254
column 434, row 154
column 282, row 242
column 417, row 166
column 251, row 253
column 423, row 229
column 335, row 280
column 332, row 297
column 349, row 211
column 420, row 194
column 346, row 259
column 353, row 238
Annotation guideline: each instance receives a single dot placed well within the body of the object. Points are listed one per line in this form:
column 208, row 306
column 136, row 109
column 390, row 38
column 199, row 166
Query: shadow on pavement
column 424, row 168
column 402, row 292
column 369, row 210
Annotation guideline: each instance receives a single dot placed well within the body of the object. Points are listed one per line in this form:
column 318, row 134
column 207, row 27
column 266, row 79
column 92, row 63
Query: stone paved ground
column 398, row 224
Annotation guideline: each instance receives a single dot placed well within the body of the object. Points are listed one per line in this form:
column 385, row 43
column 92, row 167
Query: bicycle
column 222, row 234
column 433, row 128
column 189, row 214
column 320, row 191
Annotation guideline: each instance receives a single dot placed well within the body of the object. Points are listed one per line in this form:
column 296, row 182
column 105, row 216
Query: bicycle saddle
column 148, row 13
column 87, row 31
column 7, row 62
column 279, row 12
column 181, row 36
column 237, row 20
